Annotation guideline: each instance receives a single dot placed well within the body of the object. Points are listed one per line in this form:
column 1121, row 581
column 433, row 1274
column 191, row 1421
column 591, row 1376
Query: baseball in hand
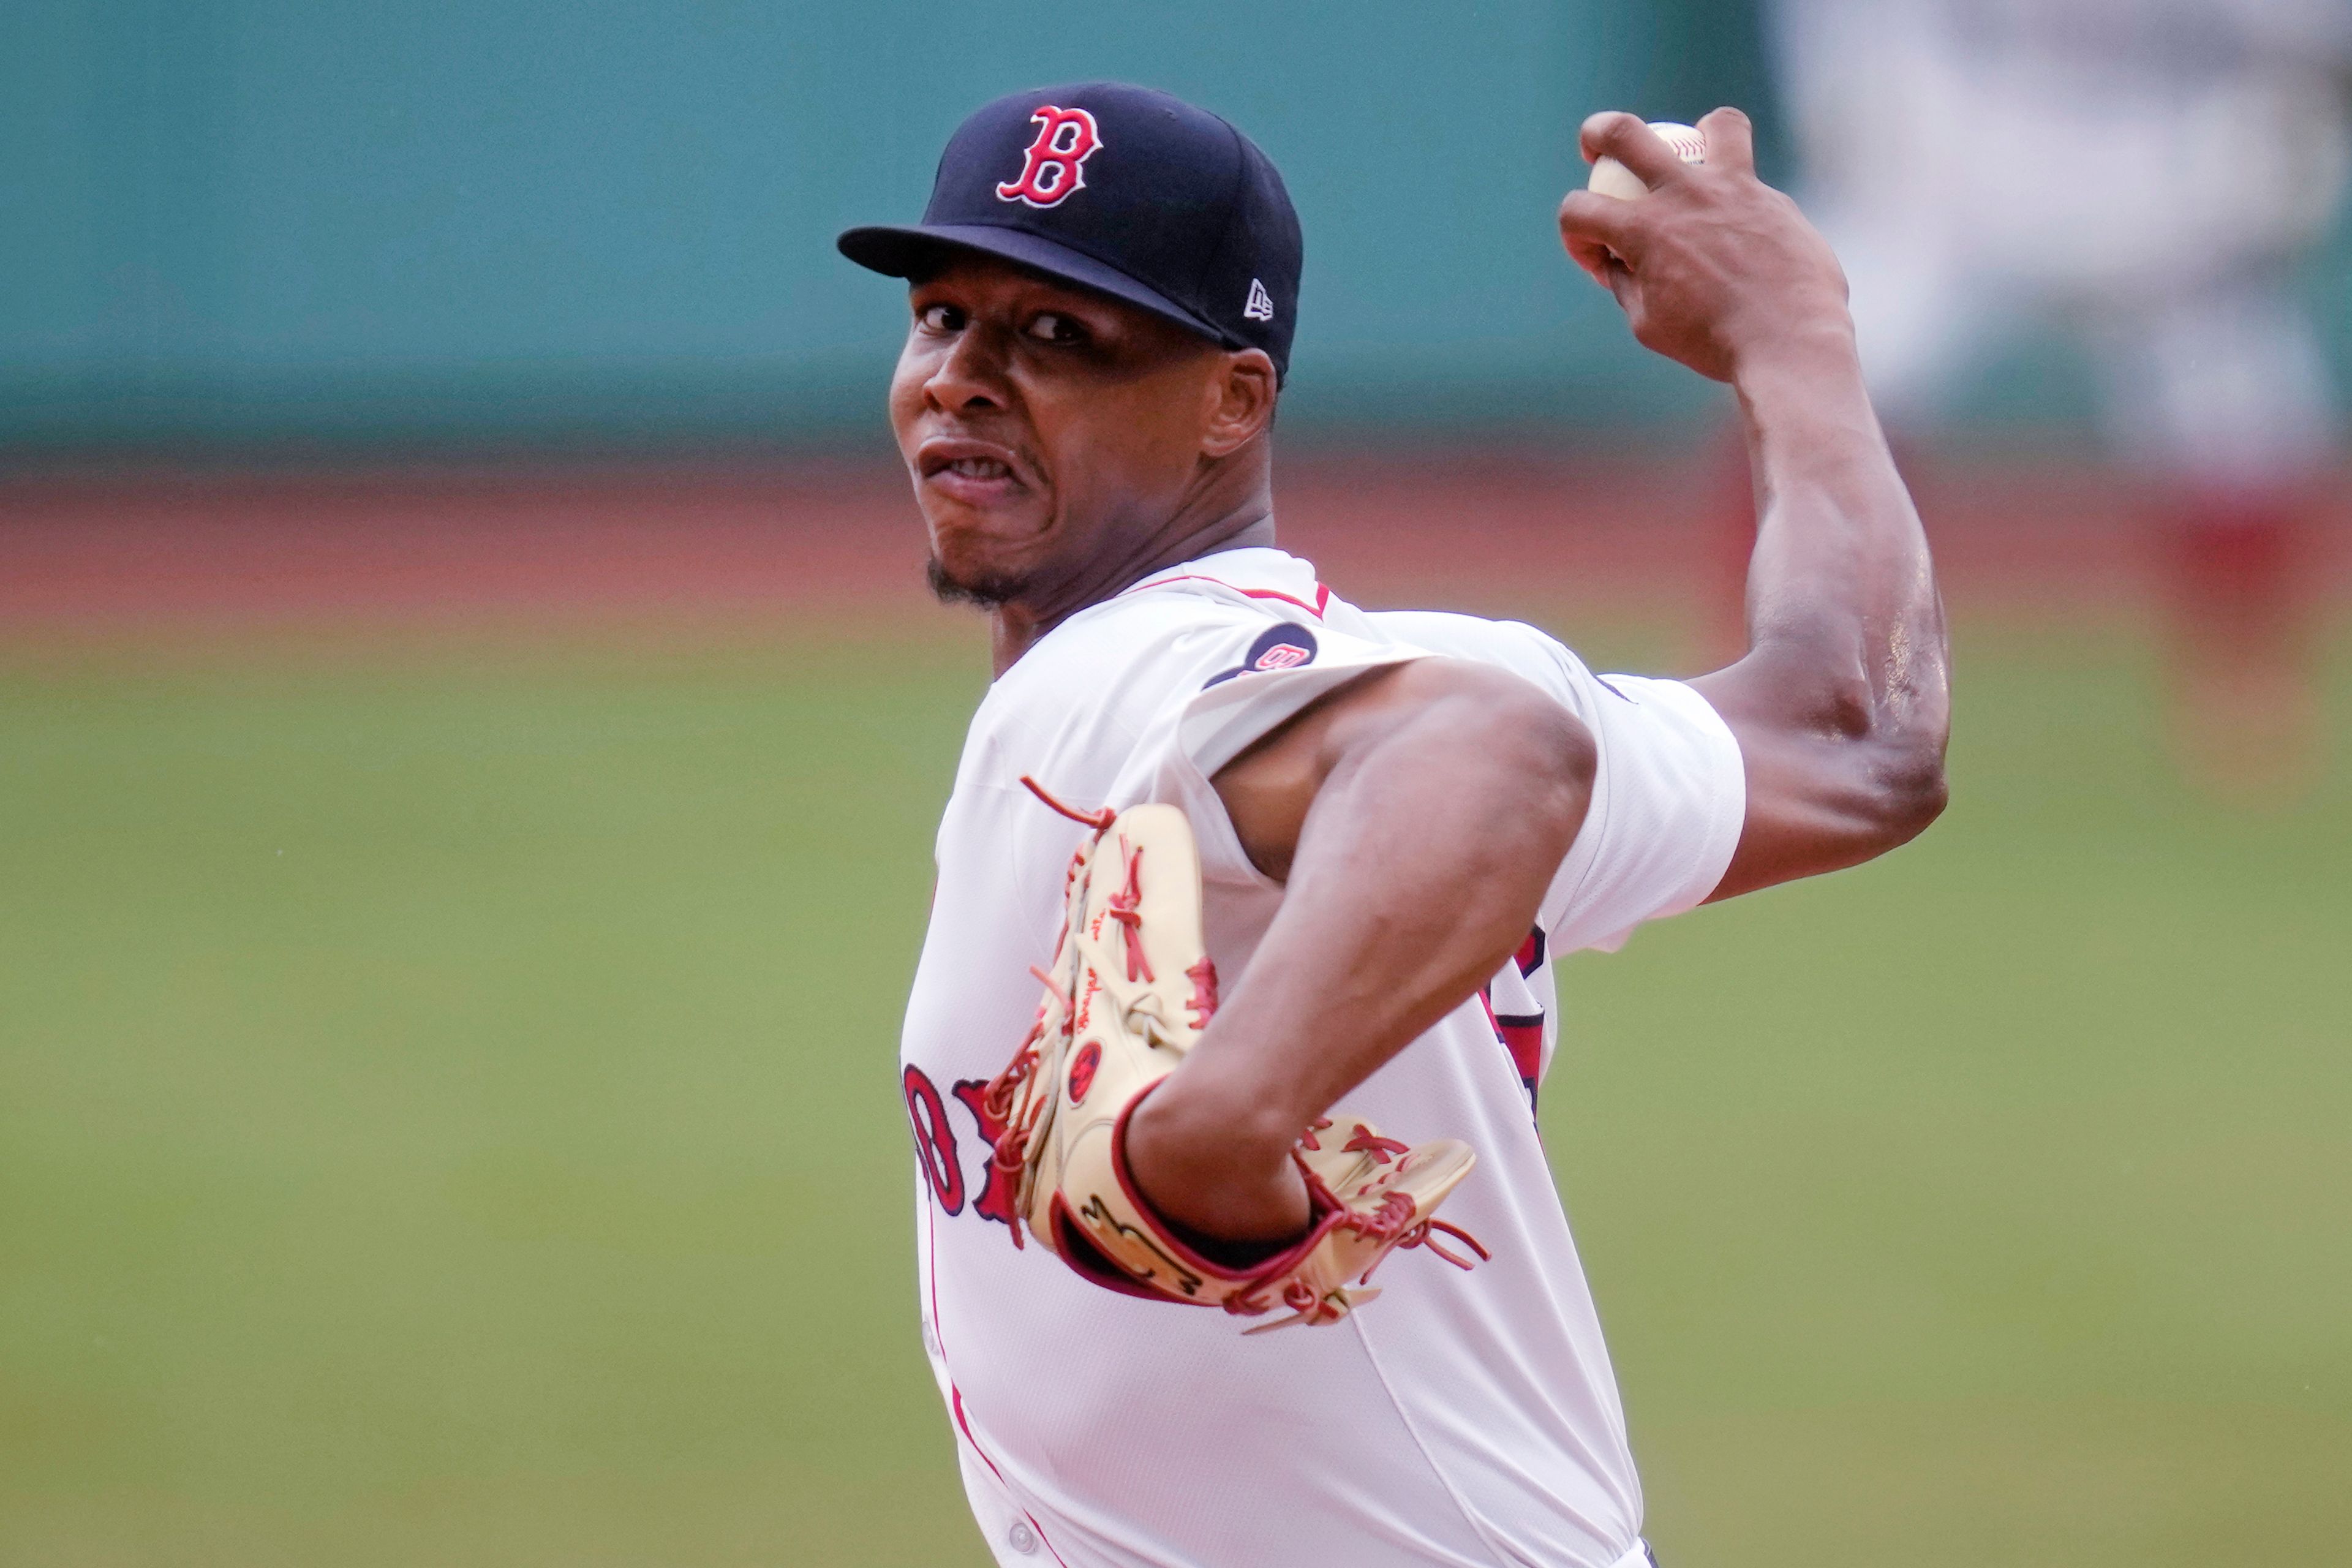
column 1611, row 178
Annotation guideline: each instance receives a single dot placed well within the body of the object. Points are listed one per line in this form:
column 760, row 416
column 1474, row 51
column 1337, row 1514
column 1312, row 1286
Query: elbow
column 1895, row 744
column 1576, row 763
column 1558, row 759
column 1911, row 789
column 1541, row 754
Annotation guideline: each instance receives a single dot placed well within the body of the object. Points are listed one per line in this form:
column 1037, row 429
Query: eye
column 1053, row 327
column 939, row 318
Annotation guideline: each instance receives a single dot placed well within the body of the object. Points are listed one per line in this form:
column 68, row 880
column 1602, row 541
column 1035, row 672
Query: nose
column 969, row 377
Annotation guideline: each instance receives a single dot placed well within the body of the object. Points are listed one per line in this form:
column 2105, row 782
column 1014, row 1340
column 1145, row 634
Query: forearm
column 1722, row 273
column 1843, row 702
column 1840, row 591
column 1416, row 873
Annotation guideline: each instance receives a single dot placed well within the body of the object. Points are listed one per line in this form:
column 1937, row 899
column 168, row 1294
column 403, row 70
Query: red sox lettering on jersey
column 1056, row 163
column 935, row 1139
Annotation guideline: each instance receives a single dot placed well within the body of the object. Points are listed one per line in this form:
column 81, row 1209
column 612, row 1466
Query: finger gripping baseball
column 1125, row 996
column 1632, row 158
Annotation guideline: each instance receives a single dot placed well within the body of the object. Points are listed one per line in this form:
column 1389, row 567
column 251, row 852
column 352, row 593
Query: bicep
column 1823, row 794
column 1808, row 812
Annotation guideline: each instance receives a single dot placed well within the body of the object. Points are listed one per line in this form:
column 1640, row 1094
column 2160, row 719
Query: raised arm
column 1841, row 704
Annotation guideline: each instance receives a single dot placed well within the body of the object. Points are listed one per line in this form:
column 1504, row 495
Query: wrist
column 1813, row 356
column 1804, row 400
column 1213, row 1170
column 1196, row 1111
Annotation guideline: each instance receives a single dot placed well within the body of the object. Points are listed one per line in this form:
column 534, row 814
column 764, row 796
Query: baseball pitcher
column 1237, row 1243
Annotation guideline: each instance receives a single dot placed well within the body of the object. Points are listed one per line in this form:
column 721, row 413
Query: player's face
column 1044, row 426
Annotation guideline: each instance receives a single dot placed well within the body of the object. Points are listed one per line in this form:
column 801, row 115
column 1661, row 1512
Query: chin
column 974, row 563
column 984, row 586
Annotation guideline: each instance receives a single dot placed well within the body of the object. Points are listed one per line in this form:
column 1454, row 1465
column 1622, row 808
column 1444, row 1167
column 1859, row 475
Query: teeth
column 979, row 469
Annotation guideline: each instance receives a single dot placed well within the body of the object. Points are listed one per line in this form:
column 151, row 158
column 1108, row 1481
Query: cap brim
column 903, row 251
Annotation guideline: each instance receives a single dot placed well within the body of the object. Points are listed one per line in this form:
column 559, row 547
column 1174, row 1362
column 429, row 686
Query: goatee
column 986, row 592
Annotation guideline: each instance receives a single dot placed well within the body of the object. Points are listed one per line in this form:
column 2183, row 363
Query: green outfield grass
column 447, row 1116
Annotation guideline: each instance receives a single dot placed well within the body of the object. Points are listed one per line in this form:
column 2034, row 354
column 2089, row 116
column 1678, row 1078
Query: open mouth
column 975, row 472
column 978, row 469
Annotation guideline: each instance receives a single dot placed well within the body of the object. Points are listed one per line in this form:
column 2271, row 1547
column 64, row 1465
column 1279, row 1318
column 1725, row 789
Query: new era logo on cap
column 1118, row 189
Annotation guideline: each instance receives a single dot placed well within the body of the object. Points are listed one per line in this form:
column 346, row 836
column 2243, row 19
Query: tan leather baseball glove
column 1129, row 990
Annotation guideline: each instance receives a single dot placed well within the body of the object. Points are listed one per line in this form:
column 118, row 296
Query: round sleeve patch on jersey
column 1284, row 647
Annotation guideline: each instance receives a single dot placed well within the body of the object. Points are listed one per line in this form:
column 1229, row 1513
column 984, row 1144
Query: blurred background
column 471, row 726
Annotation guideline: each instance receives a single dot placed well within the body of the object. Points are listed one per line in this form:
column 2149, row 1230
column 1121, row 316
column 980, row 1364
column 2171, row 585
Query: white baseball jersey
column 1462, row 1418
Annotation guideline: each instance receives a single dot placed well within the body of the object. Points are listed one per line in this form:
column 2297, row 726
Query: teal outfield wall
column 506, row 221
column 516, row 219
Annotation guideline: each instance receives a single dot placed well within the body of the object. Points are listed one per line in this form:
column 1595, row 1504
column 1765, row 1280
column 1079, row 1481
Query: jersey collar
column 1256, row 571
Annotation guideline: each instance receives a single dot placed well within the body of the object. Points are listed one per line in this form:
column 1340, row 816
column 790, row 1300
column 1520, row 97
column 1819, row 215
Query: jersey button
column 1021, row 1538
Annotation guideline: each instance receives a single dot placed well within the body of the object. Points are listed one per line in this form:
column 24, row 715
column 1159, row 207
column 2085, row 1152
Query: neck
column 1206, row 524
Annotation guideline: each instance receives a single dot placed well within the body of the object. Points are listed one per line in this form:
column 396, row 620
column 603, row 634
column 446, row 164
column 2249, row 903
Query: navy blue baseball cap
column 1119, row 189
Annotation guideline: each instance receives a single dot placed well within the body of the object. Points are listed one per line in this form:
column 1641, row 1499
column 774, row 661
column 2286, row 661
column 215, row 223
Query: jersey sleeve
column 1669, row 798
column 1669, row 794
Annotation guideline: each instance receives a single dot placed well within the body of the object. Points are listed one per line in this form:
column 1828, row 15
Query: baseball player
column 1292, row 873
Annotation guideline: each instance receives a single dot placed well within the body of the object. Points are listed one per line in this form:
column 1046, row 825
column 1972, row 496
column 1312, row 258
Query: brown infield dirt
column 133, row 553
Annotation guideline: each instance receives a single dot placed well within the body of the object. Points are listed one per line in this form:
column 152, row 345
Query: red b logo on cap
column 1056, row 163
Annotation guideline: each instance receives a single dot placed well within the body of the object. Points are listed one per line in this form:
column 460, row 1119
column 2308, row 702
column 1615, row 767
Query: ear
column 1242, row 397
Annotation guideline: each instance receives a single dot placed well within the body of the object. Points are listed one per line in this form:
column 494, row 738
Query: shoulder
column 1465, row 636
column 1526, row 651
